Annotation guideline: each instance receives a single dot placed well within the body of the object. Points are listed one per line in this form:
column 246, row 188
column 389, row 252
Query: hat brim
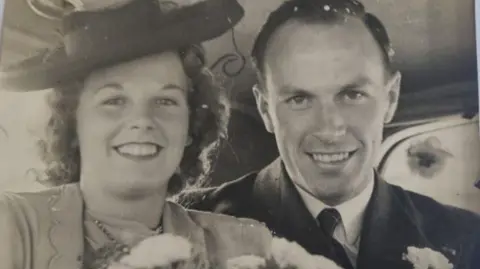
column 55, row 68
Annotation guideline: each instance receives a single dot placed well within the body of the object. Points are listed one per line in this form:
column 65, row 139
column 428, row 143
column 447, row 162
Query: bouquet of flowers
column 152, row 254
column 284, row 255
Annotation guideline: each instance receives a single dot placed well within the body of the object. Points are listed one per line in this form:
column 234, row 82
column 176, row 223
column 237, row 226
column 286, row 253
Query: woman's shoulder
column 232, row 232
column 38, row 225
column 29, row 202
column 8, row 198
column 209, row 218
column 206, row 218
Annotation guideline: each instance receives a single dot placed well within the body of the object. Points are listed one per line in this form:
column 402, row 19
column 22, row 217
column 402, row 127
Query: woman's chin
column 136, row 182
column 138, row 189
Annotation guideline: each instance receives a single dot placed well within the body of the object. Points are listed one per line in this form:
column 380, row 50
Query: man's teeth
column 330, row 158
column 138, row 149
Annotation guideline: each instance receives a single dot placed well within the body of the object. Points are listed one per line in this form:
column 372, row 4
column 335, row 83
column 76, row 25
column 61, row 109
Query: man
column 326, row 89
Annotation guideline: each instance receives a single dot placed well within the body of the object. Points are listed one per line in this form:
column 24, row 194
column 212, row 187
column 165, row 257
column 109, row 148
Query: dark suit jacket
column 394, row 219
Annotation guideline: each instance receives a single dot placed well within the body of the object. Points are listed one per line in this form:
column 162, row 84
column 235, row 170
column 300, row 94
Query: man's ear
column 262, row 106
column 393, row 91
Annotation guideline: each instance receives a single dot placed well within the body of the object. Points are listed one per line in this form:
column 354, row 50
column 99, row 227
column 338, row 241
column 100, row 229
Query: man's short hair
column 320, row 11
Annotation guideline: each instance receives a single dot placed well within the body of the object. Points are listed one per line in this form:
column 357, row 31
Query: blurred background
column 432, row 146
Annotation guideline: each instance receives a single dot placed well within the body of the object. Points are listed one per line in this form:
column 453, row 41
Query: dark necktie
column 328, row 219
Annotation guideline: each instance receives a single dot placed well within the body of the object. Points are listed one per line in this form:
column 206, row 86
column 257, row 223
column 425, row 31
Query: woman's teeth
column 138, row 149
column 331, row 157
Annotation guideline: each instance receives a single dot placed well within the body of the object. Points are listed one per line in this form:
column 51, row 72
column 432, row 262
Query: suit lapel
column 289, row 216
column 390, row 223
column 389, row 227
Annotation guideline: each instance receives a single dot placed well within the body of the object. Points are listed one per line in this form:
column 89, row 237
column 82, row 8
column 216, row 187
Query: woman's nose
column 141, row 118
column 142, row 124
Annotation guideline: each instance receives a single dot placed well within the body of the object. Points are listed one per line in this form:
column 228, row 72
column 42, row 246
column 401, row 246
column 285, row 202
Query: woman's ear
column 178, row 171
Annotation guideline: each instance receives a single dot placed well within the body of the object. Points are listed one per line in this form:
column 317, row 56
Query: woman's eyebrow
column 119, row 87
column 113, row 86
column 171, row 86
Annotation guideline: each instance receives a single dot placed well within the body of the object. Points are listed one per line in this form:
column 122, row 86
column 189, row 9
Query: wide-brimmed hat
column 101, row 38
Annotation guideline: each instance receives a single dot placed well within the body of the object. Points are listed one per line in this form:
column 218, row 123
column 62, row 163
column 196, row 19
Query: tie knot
column 328, row 219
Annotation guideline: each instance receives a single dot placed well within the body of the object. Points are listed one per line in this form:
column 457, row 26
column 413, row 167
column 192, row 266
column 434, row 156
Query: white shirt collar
column 351, row 211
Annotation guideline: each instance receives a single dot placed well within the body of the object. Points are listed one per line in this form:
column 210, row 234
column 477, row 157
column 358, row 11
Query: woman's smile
column 138, row 151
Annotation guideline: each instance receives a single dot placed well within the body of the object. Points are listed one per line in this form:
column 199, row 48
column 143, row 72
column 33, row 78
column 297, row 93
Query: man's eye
column 116, row 101
column 299, row 102
column 353, row 96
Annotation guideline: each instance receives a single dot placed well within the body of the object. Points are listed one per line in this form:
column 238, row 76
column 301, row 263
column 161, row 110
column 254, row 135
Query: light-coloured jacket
column 44, row 230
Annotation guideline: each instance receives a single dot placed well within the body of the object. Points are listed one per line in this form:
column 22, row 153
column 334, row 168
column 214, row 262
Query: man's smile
column 331, row 158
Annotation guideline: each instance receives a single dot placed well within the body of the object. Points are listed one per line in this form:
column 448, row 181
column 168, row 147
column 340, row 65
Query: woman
column 134, row 113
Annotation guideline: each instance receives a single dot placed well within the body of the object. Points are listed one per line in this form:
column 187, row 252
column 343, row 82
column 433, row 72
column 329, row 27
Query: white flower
column 425, row 258
column 246, row 262
column 117, row 265
column 160, row 250
column 290, row 254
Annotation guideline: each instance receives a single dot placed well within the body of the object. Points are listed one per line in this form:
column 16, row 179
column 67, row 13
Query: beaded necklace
column 110, row 237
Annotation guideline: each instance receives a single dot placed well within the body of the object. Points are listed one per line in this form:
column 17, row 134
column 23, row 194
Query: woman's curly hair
column 208, row 122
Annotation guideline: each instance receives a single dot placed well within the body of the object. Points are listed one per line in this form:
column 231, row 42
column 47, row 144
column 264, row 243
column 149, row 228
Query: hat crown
column 124, row 15
column 100, row 38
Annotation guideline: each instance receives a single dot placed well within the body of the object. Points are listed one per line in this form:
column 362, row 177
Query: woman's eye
column 299, row 102
column 116, row 101
column 166, row 102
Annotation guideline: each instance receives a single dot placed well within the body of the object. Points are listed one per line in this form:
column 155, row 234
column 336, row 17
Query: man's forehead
column 308, row 55
column 297, row 36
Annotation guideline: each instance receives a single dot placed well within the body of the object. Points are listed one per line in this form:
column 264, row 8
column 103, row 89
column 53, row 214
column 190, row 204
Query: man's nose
column 330, row 124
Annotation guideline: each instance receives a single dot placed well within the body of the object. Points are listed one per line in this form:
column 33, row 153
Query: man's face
column 327, row 98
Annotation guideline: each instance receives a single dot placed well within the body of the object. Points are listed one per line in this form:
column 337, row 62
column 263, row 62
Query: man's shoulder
column 220, row 199
column 428, row 204
column 235, row 197
column 437, row 217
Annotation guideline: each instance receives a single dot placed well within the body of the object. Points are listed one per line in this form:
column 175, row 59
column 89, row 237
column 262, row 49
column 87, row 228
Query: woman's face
column 132, row 124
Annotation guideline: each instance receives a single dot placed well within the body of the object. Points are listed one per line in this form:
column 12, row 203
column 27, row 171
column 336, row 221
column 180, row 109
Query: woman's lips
column 138, row 151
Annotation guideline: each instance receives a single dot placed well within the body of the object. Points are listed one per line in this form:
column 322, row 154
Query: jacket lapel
column 290, row 217
column 216, row 238
column 66, row 232
column 177, row 221
column 390, row 223
column 389, row 227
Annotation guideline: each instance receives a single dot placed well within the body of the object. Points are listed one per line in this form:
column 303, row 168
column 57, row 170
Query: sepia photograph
column 239, row 134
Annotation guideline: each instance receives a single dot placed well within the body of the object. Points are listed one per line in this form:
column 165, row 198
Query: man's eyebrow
column 288, row 90
column 357, row 83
